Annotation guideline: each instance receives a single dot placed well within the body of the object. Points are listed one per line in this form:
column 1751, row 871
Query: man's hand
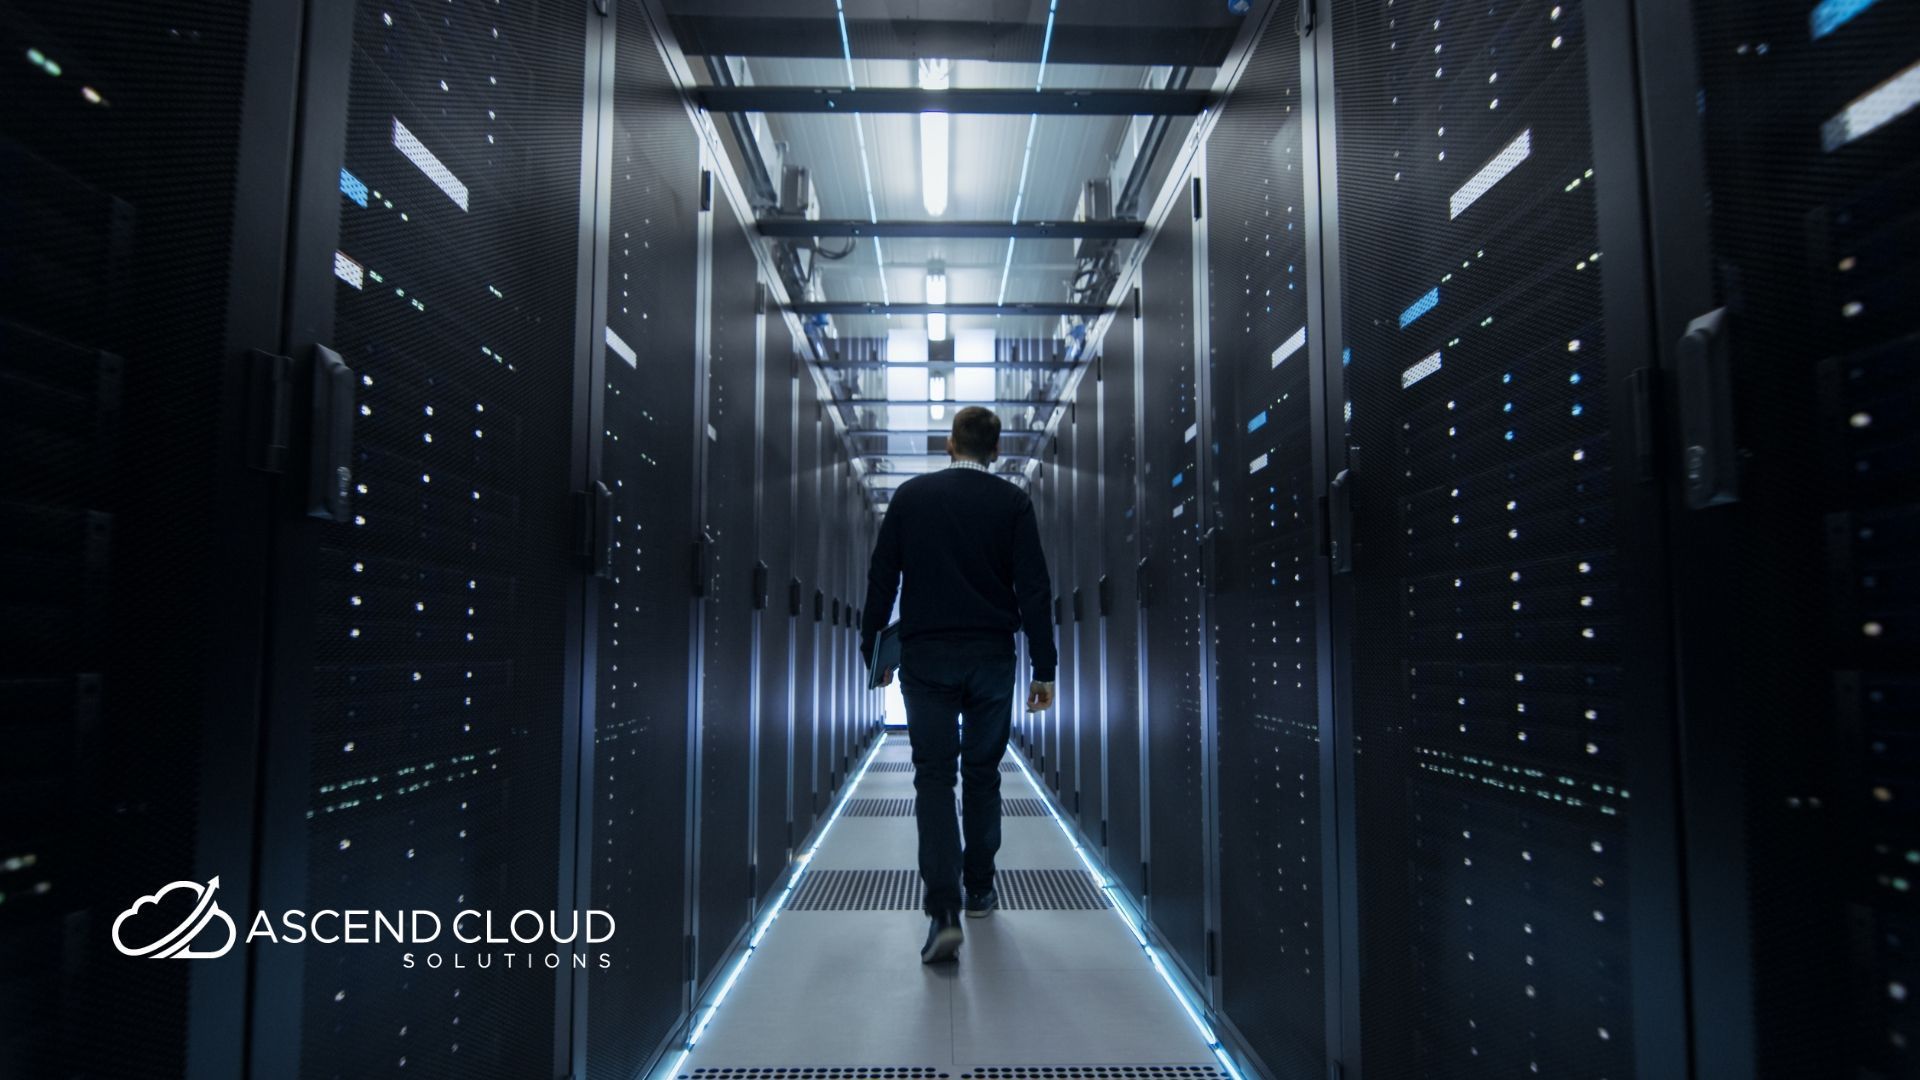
column 1039, row 696
column 886, row 677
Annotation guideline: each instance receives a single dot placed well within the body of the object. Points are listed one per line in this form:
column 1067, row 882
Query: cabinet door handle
column 330, row 461
column 1706, row 413
column 1340, row 513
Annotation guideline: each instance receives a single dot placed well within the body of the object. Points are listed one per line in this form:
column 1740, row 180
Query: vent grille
column 907, row 766
column 903, row 807
column 824, row 1073
column 1093, row 1073
column 899, row 890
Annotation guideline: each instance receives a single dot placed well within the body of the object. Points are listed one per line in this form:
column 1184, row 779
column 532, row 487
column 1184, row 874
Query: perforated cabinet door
column 1170, row 462
column 1066, row 765
column 726, row 660
column 1088, row 625
column 1510, row 732
column 132, row 532
column 1120, row 546
column 1263, row 599
column 774, row 723
column 422, row 671
column 807, row 630
column 1785, row 232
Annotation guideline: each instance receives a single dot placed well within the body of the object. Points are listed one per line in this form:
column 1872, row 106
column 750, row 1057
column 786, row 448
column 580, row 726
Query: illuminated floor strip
column 1101, row 879
column 705, row 1016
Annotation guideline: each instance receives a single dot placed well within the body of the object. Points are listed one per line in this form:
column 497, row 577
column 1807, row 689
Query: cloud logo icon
column 174, row 943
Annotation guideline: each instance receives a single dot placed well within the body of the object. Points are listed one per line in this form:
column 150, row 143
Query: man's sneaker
column 981, row 904
column 943, row 938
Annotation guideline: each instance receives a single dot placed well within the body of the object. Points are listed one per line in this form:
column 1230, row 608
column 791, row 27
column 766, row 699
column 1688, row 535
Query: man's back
column 968, row 547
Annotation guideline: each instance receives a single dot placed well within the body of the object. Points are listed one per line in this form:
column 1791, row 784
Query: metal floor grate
column 823, row 1072
column 899, row 890
column 907, row 766
column 903, row 807
column 1094, row 1072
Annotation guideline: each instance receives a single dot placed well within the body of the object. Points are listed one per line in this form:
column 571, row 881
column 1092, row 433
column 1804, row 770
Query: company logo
column 173, row 945
column 155, row 928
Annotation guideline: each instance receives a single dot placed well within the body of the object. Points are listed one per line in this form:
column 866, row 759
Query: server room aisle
column 1055, row 978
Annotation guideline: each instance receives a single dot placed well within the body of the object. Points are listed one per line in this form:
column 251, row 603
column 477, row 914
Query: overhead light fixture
column 935, row 141
column 937, row 296
column 937, row 391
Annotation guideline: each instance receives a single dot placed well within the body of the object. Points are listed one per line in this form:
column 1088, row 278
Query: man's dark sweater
column 969, row 547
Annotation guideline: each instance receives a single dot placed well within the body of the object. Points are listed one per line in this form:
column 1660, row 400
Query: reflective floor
column 1051, row 984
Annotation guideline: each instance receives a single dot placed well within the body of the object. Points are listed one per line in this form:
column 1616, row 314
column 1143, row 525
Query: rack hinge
column 1213, row 953
column 689, row 957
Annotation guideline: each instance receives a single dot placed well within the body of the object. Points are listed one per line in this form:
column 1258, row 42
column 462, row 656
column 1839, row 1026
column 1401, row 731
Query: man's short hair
column 976, row 432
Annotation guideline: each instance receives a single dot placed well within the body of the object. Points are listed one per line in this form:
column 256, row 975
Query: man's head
column 976, row 435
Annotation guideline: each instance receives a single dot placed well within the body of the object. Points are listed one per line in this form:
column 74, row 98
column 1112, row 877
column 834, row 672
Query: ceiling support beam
column 874, row 307
column 794, row 228
column 863, row 403
column 826, row 99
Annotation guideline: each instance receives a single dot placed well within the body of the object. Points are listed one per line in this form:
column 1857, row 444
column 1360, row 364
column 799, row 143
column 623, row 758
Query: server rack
column 432, row 624
column 774, row 722
column 724, row 560
column 1089, row 627
column 138, row 273
column 1782, row 210
column 1119, row 532
column 636, row 795
column 1265, row 575
column 1066, row 767
column 806, row 577
column 1170, row 463
column 1507, row 724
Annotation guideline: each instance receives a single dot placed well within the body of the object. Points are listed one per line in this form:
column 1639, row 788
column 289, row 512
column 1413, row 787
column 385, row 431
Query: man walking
column 969, row 548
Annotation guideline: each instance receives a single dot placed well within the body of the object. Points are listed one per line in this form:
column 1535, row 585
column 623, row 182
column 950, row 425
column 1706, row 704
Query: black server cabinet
column 1265, row 570
column 1170, row 463
column 1120, row 550
column 635, row 833
column 1066, row 709
column 1784, row 214
column 1515, row 897
column 135, row 274
column 424, row 690
column 1089, row 626
column 774, row 724
column 727, row 554
column 833, row 577
column 803, row 586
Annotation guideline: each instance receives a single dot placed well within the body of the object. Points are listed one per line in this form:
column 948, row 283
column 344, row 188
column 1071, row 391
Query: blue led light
column 1509, row 434
column 1258, row 422
column 1346, row 357
column 1578, row 408
column 353, row 188
column 1831, row 15
column 1574, row 378
column 1507, row 378
column 1420, row 307
column 1179, row 478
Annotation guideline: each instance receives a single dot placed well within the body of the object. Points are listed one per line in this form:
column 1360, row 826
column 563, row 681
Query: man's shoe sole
column 982, row 913
column 946, row 946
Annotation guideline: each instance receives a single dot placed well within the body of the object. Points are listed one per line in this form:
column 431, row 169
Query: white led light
column 936, row 295
column 935, row 161
column 349, row 271
column 1426, row 367
column 1294, row 343
column 423, row 159
column 1508, row 159
column 622, row 349
column 1873, row 110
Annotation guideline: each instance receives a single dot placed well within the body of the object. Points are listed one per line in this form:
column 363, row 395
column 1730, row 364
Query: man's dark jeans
column 959, row 697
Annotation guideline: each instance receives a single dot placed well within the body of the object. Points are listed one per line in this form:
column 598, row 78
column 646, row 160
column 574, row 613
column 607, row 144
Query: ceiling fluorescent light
column 934, row 163
column 937, row 295
column 935, row 141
